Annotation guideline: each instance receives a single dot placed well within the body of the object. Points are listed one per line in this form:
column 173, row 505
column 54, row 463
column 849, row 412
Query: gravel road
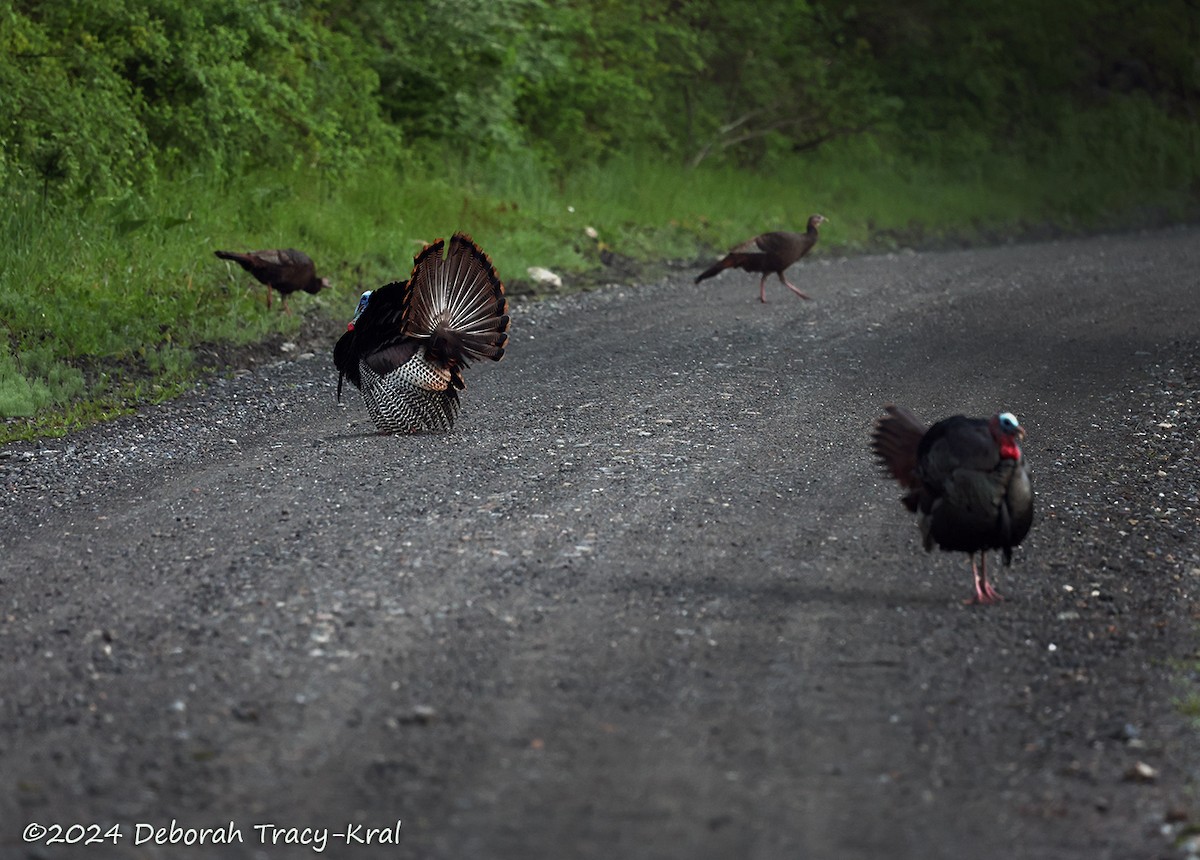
column 650, row 599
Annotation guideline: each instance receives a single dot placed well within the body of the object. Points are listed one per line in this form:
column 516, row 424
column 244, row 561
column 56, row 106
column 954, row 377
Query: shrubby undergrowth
column 135, row 138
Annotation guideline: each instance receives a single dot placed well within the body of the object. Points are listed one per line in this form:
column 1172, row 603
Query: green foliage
column 769, row 79
column 137, row 137
column 67, row 118
column 102, row 96
column 1005, row 74
column 20, row 397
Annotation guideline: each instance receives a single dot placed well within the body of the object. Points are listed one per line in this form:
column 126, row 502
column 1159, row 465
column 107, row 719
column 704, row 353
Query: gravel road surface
column 649, row 599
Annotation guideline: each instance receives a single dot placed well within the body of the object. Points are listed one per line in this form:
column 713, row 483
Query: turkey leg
column 791, row 287
column 984, row 593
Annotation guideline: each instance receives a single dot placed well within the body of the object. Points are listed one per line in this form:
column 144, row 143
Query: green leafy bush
column 135, row 138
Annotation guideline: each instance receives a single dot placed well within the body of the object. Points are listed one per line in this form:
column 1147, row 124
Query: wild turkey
column 770, row 252
column 966, row 482
column 409, row 342
column 286, row 270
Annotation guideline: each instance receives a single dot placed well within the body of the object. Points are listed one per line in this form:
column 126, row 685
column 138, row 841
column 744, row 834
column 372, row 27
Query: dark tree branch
column 723, row 140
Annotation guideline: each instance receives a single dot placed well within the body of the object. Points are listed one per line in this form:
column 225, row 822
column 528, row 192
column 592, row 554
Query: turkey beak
column 1020, row 434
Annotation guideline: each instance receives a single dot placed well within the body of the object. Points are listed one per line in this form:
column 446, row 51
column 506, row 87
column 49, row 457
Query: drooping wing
column 965, row 485
column 956, row 443
column 378, row 336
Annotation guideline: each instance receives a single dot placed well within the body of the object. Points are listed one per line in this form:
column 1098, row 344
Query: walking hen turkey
column 409, row 342
column 966, row 481
column 285, row 270
column 770, row 252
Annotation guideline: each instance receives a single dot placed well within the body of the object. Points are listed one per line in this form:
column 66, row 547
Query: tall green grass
column 104, row 306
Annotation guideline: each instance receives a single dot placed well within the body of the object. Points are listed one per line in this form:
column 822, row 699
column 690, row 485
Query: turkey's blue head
column 362, row 306
column 1008, row 432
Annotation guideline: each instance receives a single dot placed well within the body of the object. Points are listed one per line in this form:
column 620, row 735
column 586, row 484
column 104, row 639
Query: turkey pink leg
column 787, row 284
column 984, row 593
column 762, row 290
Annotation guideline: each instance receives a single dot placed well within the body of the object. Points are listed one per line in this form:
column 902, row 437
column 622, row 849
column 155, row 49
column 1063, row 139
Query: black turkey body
column 410, row 341
column 966, row 481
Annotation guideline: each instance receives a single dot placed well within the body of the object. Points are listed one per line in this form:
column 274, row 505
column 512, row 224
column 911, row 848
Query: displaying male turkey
column 966, row 482
column 286, row 270
column 770, row 252
column 409, row 342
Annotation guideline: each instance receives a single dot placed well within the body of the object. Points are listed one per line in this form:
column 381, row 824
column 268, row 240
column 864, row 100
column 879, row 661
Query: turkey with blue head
column 410, row 341
column 966, row 481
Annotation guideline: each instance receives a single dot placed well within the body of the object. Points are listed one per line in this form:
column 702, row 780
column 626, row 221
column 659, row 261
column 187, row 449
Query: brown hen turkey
column 284, row 270
column 769, row 253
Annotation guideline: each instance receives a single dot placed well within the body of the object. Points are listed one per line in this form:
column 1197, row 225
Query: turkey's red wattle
column 1009, row 449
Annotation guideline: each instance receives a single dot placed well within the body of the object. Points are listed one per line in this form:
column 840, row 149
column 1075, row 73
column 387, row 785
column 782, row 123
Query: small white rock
column 545, row 277
column 1141, row 772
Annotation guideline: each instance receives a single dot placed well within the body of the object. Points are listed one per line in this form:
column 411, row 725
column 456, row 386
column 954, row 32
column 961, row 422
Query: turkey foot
column 984, row 593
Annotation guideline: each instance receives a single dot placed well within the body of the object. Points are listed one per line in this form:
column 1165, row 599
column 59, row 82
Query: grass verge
column 111, row 305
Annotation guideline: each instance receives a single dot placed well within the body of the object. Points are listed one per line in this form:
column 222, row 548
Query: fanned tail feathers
column 407, row 346
column 895, row 441
column 457, row 301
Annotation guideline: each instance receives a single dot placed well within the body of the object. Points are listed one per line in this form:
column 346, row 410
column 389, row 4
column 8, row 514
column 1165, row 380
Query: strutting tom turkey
column 285, row 270
column 966, row 481
column 409, row 342
column 770, row 252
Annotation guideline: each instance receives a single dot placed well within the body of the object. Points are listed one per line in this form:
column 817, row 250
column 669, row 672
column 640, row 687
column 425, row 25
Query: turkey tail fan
column 457, row 301
column 895, row 441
